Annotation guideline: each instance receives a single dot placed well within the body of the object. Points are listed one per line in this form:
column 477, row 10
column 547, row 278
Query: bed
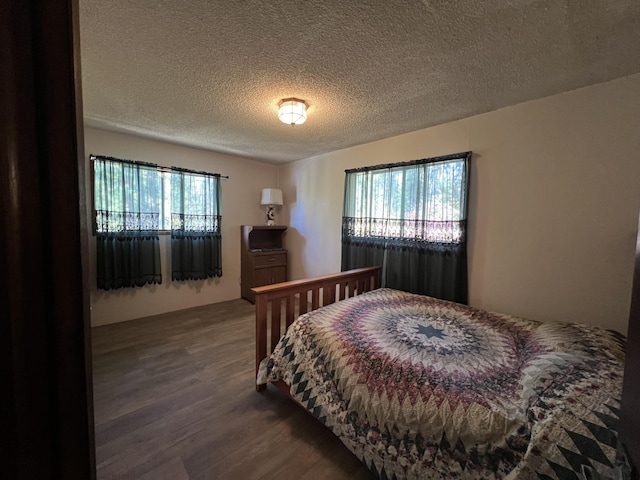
column 418, row 387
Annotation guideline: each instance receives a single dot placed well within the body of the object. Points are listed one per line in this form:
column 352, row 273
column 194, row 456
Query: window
column 421, row 202
column 133, row 201
column 196, row 240
column 152, row 187
column 126, row 196
column 410, row 219
column 126, row 201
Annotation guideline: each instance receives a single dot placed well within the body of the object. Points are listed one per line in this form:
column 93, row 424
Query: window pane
column 126, row 196
column 195, row 202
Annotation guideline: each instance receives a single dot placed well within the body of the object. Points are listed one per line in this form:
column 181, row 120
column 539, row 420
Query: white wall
column 240, row 206
column 554, row 199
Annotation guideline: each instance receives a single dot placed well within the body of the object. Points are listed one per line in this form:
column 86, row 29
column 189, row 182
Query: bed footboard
column 278, row 305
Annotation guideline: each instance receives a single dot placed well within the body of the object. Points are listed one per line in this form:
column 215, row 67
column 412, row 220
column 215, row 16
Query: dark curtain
column 429, row 269
column 126, row 197
column 410, row 219
column 361, row 252
column 196, row 241
column 128, row 260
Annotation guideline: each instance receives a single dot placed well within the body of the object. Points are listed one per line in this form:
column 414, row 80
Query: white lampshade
column 293, row 111
column 271, row 196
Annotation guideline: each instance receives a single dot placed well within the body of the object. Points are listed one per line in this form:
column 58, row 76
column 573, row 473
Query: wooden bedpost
column 261, row 334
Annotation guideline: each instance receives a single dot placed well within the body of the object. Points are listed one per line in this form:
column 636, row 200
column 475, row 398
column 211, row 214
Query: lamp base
column 271, row 216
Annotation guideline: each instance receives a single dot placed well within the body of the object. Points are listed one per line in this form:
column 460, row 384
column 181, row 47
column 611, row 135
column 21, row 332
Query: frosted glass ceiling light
column 293, row 111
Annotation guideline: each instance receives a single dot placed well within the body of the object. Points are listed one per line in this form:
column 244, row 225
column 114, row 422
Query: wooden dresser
column 263, row 260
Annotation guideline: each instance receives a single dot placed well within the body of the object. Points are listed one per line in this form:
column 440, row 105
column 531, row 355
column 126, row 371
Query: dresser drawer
column 270, row 260
column 269, row 276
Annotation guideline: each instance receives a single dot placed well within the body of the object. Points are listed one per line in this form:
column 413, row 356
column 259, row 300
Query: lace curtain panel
column 196, row 241
column 410, row 219
column 127, row 215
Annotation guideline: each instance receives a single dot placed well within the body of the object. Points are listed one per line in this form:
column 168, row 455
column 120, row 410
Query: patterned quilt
column 421, row 388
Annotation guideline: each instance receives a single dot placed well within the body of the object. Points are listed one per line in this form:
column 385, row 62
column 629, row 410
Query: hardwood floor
column 175, row 399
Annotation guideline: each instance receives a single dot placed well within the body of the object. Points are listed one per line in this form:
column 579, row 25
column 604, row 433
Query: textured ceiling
column 210, row 73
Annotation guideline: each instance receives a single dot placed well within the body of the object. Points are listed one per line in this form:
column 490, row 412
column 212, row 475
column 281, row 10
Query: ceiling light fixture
column 292, row 111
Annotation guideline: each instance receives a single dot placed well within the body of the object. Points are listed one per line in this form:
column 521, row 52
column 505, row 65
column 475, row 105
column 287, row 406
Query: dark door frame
column 630, row 417
column 46, row 403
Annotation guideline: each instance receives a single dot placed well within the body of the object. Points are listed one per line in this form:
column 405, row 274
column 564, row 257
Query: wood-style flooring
column 175, row 399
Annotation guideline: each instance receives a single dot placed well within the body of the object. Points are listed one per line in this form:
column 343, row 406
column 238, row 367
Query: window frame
column 362, row 230
column 165, row 176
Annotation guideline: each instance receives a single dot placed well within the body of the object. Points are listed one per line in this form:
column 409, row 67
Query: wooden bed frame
column 286, row 301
